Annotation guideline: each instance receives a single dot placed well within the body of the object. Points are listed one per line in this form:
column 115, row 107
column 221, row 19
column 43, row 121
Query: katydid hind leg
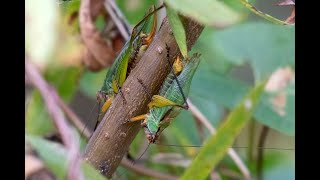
column 144, row 88
column 121, row 93
column 185, row 106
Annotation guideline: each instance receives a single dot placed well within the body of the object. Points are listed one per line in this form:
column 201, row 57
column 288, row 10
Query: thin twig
column 262, row 139
column 118, row 18
column 251, row 140
column 73, row 117
column 32, row 165
column 64, row 129
column 230, row 173
column 234, row 156
column 140, row 169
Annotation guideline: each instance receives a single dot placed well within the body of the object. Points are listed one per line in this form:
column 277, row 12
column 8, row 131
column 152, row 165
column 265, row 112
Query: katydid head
column 154, row 125
column 100, row 96
column 150, row 136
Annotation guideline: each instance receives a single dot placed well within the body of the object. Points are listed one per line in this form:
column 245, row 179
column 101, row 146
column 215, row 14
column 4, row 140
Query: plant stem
column 252, row 127
column 262, row 139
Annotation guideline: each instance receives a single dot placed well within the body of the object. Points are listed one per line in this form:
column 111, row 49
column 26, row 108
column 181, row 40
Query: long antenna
column 89, row 117
column 236, row 147
column 134, row 33
column 142, row 154
column 175, row 77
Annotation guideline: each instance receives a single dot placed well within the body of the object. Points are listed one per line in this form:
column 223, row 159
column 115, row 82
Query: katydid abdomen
column 160, row 117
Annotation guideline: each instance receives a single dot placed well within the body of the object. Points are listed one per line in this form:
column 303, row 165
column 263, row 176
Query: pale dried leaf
column 173, row 159
column 280, row 79
column 286, row 3
column 32, row 165
column 292, row 18
column 99, row 53
column 278, row 83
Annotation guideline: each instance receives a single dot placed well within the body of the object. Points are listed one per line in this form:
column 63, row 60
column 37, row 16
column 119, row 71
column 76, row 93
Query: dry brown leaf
column 291, row 18
column 32, row 165
column 286, row 3
column 173, row 159
column 280, row 79
column 98, row 53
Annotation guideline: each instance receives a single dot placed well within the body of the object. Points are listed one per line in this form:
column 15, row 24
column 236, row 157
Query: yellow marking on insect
column 114, row 86
column 138, row 118
column 107, row 104
column 149, row 37
column 177, row 66
column 159, row 101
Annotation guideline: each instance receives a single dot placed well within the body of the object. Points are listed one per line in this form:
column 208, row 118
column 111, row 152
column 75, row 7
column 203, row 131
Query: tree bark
column 111, row 140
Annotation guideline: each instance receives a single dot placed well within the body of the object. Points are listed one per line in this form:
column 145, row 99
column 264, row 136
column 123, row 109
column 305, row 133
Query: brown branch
column 64, row 129
column 111, row 141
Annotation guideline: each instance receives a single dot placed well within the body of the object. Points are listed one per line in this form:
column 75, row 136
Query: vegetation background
column 236, row 56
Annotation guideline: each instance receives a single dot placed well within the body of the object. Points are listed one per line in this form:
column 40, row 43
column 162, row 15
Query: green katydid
column 167, row 105
column 126, row 60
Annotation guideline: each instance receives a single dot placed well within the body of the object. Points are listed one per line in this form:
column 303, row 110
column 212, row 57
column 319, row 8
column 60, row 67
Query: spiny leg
column 103, row 110
column 116, row 88
column 186, row 106
column 148, row 39
column 144, row 88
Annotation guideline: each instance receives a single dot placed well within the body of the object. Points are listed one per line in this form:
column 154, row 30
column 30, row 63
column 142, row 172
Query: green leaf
column 38, row 121
column 217, row 145
column 265, row 46
column 210, row 52
column 37, row 117
column 178, row 31
column 209, row 12
column 54, row 156
column 226, row 91
column 285, row 172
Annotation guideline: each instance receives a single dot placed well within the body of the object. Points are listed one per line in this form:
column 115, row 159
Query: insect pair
column 171, row 99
